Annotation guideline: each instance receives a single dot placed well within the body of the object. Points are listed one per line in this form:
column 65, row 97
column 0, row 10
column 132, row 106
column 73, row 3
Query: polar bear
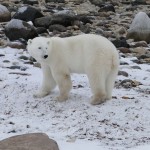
column 88, row 54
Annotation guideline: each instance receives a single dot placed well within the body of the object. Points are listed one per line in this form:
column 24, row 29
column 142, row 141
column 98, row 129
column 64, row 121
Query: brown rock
column 139, row 50
column 139, row 44
column 124, row 50
column 4, row 14
column 16, row 45
column 33, row 141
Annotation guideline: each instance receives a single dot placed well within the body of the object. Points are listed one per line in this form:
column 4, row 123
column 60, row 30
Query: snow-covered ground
column 121, row 123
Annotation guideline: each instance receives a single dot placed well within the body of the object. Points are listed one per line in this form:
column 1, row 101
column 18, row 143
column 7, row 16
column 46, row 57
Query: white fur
column 89, row 54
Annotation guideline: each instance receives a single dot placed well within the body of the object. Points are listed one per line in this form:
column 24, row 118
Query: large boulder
column 140, row 28
column 33, row 141
column 62, row 19
column 16, row 29
column 5, row 15
column 27, row 13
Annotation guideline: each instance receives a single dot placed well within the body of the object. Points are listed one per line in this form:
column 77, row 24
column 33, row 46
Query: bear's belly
column 76, row 67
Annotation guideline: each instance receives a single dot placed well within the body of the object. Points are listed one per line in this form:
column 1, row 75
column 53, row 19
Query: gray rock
column 17, row 45
column 55, row 1
column 27, row 13
column 97, row 2
column 5, row 15
column 107, row 7
column 126, row 1
column 16, row 29
column 57, row 27
column 138, row 2
column 30, row 2
column 140, row 28
column 139, row 44
column 127, row 83
column 123, row 73
column 136, row 67
column 24, row 57
column 120, row 42
column 43, row 21
column 41, row 30
column 33, row 141
column 63, row 19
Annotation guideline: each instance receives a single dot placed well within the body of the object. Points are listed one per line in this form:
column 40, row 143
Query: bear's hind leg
column 97, row 83
column 48, row 82
column 65, row 85
column 110, row 81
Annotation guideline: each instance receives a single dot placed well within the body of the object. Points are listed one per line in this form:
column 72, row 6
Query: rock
column 136, row 67
column 32, row 141
column 85, row 28
column 123, row 63
column 30, row 2
column 140, row 28
column 27, row 13
column 40, row 30
column 63, row 19
column 123, row 73
column 107, row 7
column 144, row 56
column 55, row 1
column 138, row 2
column 6, row 61
column 99, row 31
column 38, row 65
column 124, row 50
column 121, row 31
column 16, row 29
column 131, row 8
column 5, row 15
column 17, row 45
column 127, row 83
column 139, row 44
column 86, row 8
column 43, row 21
column 85, row 19
column 97, row 2
column 24, row 57
column 2, row 43
column 125, row 1
column 120, row 42
column 57, row 27
column 139, row 50
column 2, row 55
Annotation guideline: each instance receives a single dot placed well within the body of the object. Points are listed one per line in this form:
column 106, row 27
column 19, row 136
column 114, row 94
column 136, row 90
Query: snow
column 118, row 124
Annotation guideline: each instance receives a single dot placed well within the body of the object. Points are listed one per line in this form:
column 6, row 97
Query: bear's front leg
column 64, row 84
column 48, row 82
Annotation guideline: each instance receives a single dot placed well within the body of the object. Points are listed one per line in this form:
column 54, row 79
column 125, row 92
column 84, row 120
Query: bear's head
column 38, row 48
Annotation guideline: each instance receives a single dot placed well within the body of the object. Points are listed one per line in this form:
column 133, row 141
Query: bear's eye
column 39, row 47
column 46, row 47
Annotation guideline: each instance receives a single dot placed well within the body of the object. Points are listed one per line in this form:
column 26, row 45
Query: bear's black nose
column 45, row 56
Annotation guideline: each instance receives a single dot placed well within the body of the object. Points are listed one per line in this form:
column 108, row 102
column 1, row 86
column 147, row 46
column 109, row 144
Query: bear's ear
column 29, row 41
